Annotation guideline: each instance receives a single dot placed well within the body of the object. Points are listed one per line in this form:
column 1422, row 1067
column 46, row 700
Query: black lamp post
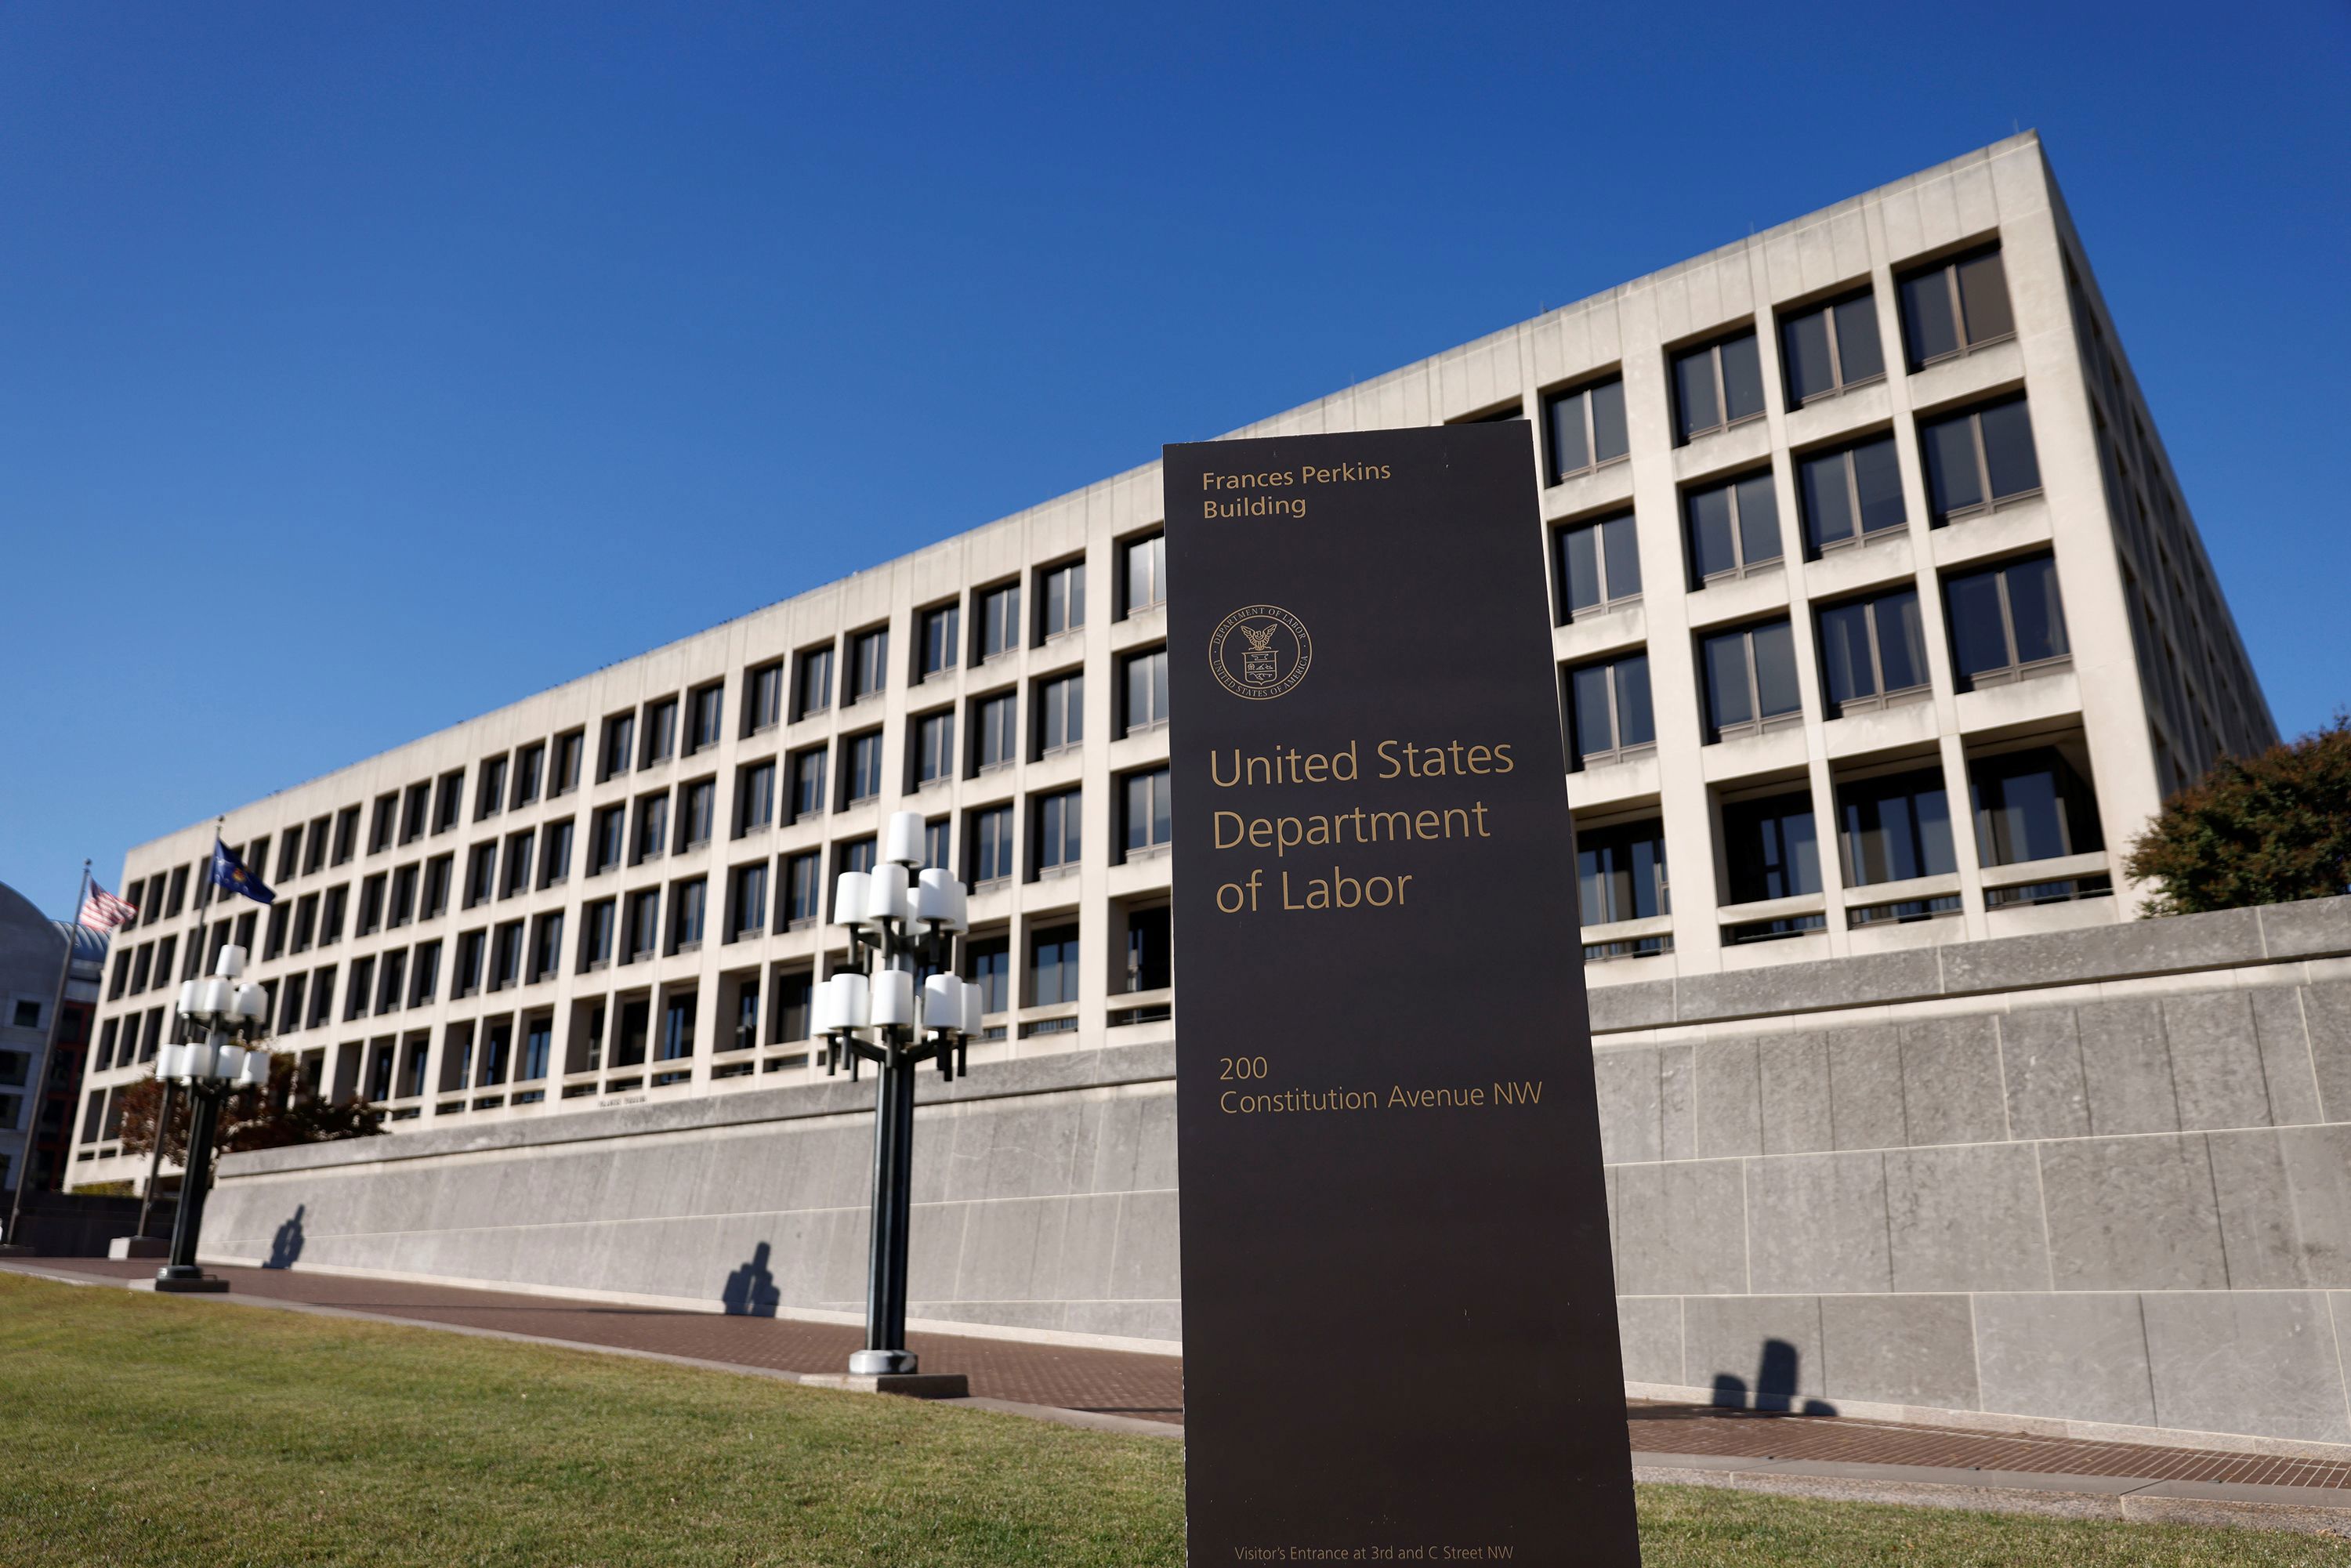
column 900, row 921
column 225, row 1020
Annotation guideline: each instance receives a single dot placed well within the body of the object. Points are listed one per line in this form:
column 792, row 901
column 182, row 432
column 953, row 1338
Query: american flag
column 103, row 912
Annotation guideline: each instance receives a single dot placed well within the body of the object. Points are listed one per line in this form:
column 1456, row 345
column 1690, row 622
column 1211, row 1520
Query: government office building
column 1879, row 616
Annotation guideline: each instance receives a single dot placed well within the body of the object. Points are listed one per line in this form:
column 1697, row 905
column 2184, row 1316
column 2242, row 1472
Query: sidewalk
column 1819, row 1456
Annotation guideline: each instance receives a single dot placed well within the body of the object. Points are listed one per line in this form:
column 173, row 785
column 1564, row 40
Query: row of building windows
column 766, row 1007
column 687, row 725
column 2006, row 622
column 1893, row 825
column 637, row 926
column 1975, row 460
column 1948, row 309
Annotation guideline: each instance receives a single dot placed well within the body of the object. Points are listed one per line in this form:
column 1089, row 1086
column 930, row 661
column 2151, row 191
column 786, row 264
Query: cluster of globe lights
column 226, row 1016
column 898, row 918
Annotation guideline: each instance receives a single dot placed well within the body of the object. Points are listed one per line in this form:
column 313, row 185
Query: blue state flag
column 229, row 872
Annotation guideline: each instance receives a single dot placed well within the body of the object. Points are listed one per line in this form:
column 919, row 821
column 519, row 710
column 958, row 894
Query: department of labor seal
column 1260, row 651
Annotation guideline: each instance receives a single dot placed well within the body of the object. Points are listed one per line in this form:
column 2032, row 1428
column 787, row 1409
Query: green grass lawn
column 136, row 1429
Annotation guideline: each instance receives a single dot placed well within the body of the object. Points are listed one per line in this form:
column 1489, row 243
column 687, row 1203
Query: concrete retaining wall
column 2099, row 1179
column 2103, row 1177
column 1044, row 1193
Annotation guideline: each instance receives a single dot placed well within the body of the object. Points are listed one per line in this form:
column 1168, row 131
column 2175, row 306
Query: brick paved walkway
column 1152, row 1387
column 1847, row 1439
column 1104, row 1382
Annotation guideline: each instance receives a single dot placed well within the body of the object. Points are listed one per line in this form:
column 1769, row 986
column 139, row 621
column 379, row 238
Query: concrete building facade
column 1880, row 621
column 44, row 1032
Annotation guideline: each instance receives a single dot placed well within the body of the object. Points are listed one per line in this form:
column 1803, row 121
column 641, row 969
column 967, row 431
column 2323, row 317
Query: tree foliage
column 2268, row 830
column 260, row 1118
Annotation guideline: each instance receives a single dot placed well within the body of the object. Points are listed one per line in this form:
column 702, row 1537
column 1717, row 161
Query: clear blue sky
column 645, row 318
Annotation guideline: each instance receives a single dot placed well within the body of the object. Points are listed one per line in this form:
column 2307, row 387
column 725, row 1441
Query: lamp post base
column 911, row 1385
column 186, row 1280
column 880, row 1362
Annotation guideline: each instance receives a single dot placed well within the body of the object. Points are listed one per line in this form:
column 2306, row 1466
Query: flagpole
column 41, row 1072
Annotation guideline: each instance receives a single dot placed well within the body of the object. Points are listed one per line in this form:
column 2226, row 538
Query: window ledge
column 1148, row 852
column 1594, row 611
column 1772, row 909
column 1591, row 759
column 1559, row 479
column 1744, row 570
column 1148, row 727
column 2017, row 674
column 1754, row 727
column 2017, row 873
column 1629, row 930
column 1830, row 395
column 1964, row 350
column 1725, row 428
column 1862, row 540
column 1903, row 892
column 1881, row 701
column 1055, row 873
column 1986, row 508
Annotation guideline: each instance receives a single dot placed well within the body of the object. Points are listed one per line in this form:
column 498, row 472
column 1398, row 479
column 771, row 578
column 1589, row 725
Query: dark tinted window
column 1586, row 427
column 1733, row 527
column 1146, row 689
column 1873, row 647
column 1955, row 304
column 1830, row 347
column 1061, row 709
column 999, row 620
column 2005, row 618
column 2031, row 806
column 992, row 731
column 941, row 631
column 1599, row 565
column 1750, row 676
column 991, row 844
column 1850, row 493
column 1896, row 828
column 1620, row 872
column 1770, row 848
column 1718, row 385
column 1609, row 711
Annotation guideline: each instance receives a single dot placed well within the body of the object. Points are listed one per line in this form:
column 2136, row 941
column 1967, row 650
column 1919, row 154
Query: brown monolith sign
column 1399, row 1308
